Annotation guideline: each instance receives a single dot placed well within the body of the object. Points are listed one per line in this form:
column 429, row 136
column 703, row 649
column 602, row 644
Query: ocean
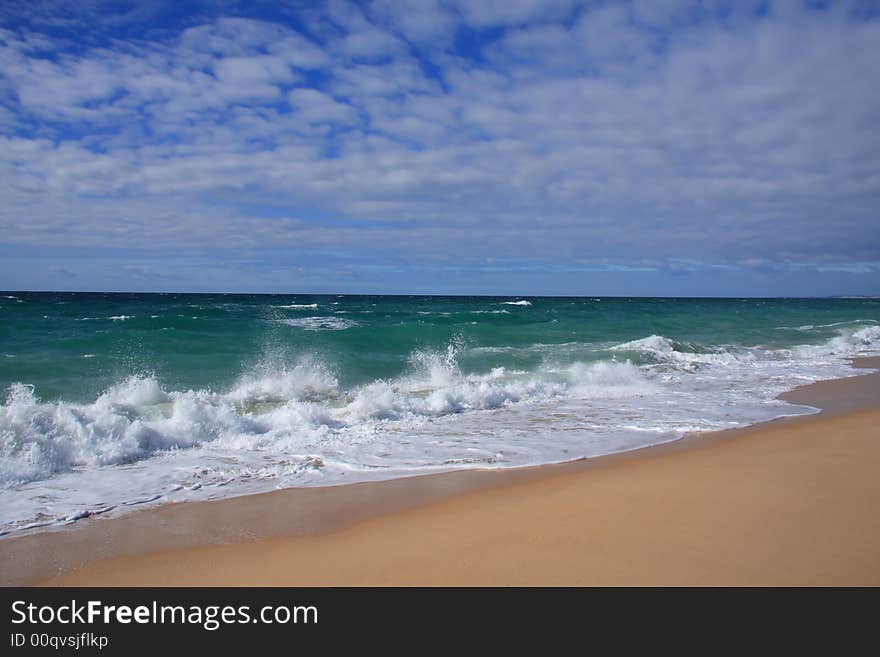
column 115, row 401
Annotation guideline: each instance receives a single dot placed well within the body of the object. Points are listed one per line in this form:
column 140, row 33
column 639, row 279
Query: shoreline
column 159, row 545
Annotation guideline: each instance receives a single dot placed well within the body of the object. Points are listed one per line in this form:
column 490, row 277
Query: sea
column 112, row 402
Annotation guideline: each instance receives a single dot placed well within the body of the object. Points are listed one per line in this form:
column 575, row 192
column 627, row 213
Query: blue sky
column 664, row 147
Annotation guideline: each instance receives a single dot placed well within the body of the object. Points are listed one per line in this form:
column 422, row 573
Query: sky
column 659, row 148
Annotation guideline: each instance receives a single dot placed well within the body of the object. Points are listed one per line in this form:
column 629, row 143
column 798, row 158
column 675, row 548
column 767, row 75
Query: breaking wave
column 280, row 422
column 137, row 418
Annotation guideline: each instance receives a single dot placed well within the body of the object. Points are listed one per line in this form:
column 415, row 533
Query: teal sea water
column 114, row 400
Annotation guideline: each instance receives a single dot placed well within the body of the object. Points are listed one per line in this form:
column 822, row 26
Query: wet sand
column 791, row 501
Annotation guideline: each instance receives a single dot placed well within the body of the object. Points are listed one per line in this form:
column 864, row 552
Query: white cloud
column 491, row 13
column 427, row 23
column 316, row 107
column 576, row 138
column 265, row 69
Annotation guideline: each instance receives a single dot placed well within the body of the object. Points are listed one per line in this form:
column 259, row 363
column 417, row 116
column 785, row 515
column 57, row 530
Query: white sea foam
column 813, row 327
column 852, row 340
column 517, row 303
column 847, row 342
column 660, row 349
column 293, row 424
column 273, row 382
column 298, row 306
column 320, row 323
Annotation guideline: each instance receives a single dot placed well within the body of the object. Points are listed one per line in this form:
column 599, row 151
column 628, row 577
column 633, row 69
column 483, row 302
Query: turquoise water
column 74, row 346
column 114, row 399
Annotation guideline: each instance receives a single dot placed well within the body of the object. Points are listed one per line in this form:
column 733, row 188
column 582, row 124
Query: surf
column 301, row 398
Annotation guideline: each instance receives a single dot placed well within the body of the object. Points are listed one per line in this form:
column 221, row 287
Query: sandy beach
column 788, row 502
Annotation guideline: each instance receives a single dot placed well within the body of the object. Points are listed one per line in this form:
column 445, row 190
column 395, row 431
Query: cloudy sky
column 662, row 147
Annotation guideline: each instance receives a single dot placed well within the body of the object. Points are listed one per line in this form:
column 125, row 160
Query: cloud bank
column 422, row 145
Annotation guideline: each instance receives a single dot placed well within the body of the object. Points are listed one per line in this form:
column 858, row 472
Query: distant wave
column 813, row 327
column 320, row 323
column 663, row 349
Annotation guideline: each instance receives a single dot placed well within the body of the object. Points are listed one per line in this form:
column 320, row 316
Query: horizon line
column 435, row 294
